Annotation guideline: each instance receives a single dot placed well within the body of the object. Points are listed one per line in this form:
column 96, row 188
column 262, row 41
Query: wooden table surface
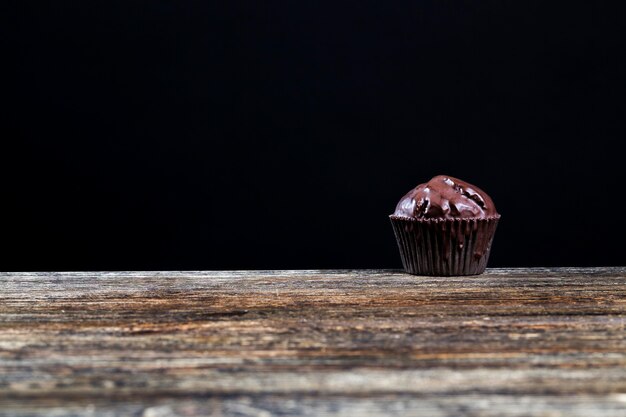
column 510, row 342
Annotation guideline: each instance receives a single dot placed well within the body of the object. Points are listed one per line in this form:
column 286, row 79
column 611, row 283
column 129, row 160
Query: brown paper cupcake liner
column 444, row 247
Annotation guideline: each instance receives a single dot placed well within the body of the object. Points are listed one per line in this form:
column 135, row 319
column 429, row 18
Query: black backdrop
column 269, row 135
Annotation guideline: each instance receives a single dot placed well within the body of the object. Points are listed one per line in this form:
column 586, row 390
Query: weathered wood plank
column 364, row 342
column 313, row 406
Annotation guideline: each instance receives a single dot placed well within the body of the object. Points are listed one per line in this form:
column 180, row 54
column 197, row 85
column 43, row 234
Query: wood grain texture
column 510, row 342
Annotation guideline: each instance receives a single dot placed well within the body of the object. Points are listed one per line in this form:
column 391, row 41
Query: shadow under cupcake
column 445, row 227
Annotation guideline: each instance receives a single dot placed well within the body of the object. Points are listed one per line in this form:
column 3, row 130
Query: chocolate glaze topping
column 445, row 197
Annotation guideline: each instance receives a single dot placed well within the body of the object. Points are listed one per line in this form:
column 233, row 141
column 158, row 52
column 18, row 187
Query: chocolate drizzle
column 445, row 197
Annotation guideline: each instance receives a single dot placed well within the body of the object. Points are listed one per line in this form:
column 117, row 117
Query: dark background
column 270, row 135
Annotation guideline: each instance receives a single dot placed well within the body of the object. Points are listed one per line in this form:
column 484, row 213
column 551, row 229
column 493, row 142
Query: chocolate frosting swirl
column 446, row 197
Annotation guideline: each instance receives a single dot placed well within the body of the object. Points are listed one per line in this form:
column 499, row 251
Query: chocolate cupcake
column 445, row 227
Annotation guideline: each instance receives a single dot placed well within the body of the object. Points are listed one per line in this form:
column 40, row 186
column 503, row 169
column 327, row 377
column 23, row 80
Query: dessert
column 445, row 227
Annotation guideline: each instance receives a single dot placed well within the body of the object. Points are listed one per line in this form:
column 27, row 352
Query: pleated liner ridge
column 444, row 247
